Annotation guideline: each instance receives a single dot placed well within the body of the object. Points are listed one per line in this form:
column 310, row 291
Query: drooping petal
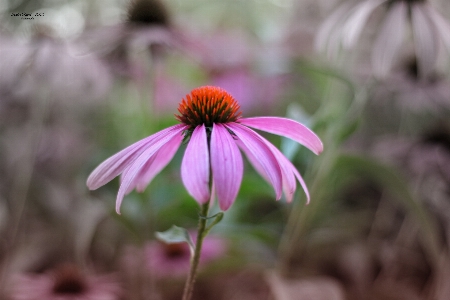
column 133, row 185
column 254, row 161
column 155, row 164
column 256, row 150
column 425, row 39
column 117, row 163
column 357, row 20
column 287, row 128
column 289, row 173
column 302, row 182
column 195, row 166
column 226, row 164
column 390, row 39
column 289, row 184
column 129, row 175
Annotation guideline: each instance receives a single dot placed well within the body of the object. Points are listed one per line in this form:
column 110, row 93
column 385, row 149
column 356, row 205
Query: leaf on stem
column 176, row 235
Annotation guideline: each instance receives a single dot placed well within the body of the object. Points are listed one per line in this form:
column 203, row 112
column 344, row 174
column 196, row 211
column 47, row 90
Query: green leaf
column 176, row 235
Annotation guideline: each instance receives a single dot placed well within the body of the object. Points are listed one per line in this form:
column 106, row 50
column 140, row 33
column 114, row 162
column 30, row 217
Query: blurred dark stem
column 149, row 121
column 23, row 176
column 302, row 216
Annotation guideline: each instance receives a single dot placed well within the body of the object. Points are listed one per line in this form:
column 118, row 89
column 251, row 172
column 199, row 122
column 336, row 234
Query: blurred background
column 80, row 80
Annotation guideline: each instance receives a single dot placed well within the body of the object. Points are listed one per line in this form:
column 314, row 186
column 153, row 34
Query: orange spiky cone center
column 207, row 105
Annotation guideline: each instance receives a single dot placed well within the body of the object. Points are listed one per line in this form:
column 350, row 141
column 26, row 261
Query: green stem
column 201, row 233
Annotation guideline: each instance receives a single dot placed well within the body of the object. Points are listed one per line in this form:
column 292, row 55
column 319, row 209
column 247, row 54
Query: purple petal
column 132, row 185
column 226, row 164
column 289, row 184
column 257, row 151
column 425, row 39
column 300, row 179
column 155, row 164
column 129, row 176
column 117, row 163
column 254, row 162
column 289, row 173
column 390, row 39
column 287, row 128
column 195, row 166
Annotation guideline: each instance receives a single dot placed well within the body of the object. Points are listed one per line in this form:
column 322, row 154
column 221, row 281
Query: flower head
column 208, row 105
column 211, row 120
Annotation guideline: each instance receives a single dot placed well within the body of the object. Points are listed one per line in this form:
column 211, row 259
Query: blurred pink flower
column 170, row 260
column 254, row 92
column 343, row 29
column 64, row 283
column 227, row 49
column 229, row 59
column 167, row 90
column 212, row 122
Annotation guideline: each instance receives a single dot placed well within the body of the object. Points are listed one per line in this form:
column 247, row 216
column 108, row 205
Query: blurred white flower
column 429, row 29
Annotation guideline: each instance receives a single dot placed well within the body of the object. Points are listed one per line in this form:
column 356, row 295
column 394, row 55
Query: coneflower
column 211, row 120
